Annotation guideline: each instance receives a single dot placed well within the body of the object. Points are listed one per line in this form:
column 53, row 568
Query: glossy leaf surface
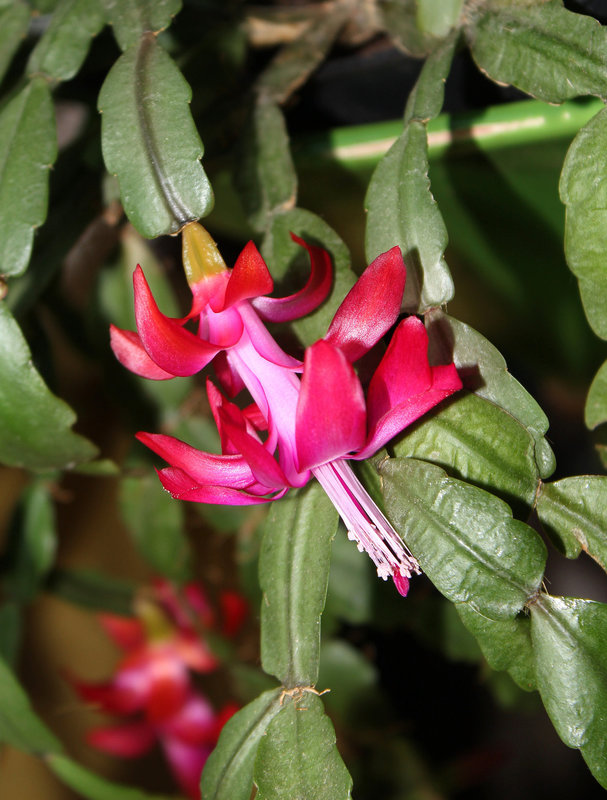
column 35, row 425
column 28, row 147
column 464, row 538
column 297, row 758
column 228, row 774
column 294, row 572
column 144, row 100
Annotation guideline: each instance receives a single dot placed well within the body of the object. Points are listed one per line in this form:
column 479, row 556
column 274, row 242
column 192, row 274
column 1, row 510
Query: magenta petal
column 172, row 347
column 249, row 278
column 227, row 470
column 330, row 417
column 263, row 465
column 318, row 286
column 128, row 741
column 129, row 350
column 183, row 487
column 186, row 762
column 371, row 307
column 195, row 722
column 405, row 386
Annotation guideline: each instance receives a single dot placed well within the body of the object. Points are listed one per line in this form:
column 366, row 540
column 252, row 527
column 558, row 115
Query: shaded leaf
column 464, row 538
column 157, row 524
column 92, row 590
column 570, row 644
column 477, row 441
column 19, row 725
column 297, row 758
column 228, row 773
column 402, row 211
column 265, row 176
column 583, row 189
column 350, row 591
column 285, row 258
column 35, row 425
column 144, row 100
column 293, row 573
column 65, row 43
column 91, row 786
column 350, row 676
column 28, row 147
column 10, row 631
column 399, row 18
column 14, row 22
column 542, row 49
column 506, row 643
column 574, row 511
column 483, row 370
column 132, row 18
column 595, row 412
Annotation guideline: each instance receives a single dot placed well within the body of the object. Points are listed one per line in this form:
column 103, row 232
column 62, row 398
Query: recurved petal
column 249, row 278
column 173, row 348
column 371, row 306
column 330, row 417
column 222, row 470
column 183, row 487
column 318, row 286
column 405, row 386
column 131, row 353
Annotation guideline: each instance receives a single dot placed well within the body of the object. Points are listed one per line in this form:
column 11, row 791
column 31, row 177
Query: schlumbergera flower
column 307, row 418
column 152, row 687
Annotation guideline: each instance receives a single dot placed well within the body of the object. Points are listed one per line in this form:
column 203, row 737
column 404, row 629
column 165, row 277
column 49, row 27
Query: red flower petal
column 128, row 741
column 129, row 350
column 318, row 286
column 249, row 278
column 371, row 307
column 182, row 487
column 331, row 420
column 405, row 386
column 173, row 348
column 234, row 611
column 127, row 632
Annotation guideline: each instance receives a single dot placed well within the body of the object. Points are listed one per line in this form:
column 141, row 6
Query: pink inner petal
column 371, row 307
column 265, row 469
column 331, row 419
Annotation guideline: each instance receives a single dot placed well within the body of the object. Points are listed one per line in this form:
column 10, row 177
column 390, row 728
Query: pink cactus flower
column 307, row 418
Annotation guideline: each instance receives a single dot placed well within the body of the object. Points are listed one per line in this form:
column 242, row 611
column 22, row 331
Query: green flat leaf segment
column 19, row 725
column 144, row 102
column 595, row 412
column 91, row 786
column 574, row 510
column 543, row 49
column 64, row 45
column 130, row 19
column 297, row 758
column 294, row 572
column 35, row 425
column 28, row 147
column 570, row 643
column 583, row 189
column 464, row 538
column 228, row 774
column 14, row 22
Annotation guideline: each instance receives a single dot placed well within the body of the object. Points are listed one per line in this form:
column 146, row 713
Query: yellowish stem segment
column 201, row 258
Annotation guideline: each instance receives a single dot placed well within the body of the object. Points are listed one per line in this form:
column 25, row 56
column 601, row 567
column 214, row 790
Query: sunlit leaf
column 132, row 18
column 595, row 412
column 541, row 48
column 91, row 786
column 570, row 644
column 293, row 573
column 478, row 441
column 483, row 370
column 157, row 524
column 228, row 774
column 144, row 101
column 65, row 43
column 574, row 510
column 297, row 758
column 19, row 725
column 28, row 148
column 506, row 643
column 14, row 22
column 35, row 425
column 583, row 189
column 464, row 538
